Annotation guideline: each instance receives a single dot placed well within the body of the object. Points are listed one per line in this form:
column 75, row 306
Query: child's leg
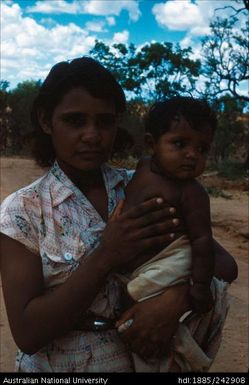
column 225, row 266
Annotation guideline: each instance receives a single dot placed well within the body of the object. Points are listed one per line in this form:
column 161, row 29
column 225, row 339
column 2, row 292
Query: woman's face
column 83, row 130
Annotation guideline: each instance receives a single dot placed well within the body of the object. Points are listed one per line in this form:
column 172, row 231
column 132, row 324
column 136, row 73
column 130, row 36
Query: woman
column 62, row 240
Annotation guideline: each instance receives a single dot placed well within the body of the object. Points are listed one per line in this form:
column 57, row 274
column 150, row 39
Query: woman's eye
column 74, row 121
column 106, row 120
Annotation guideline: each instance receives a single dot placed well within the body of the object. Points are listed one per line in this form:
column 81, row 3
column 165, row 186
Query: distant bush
column 130, row 162
column 217, row 192
column 232, row 170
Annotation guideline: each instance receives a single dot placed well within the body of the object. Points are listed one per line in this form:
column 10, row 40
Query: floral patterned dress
column 54, row 220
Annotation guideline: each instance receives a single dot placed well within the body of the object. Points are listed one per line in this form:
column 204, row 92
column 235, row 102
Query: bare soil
column 230, row 227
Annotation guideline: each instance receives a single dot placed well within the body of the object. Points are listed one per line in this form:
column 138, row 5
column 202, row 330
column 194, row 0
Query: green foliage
column 129, row 163
column 18, row 125
column 232, row 170
column 150, row 73
column 217, row 192
column 232, row 132
column 4, row 84
column 168, row 70
column 21, row 99
column 121, row 61
column 156, row 70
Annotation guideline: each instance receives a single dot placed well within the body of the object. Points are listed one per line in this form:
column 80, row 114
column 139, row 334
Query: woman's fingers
column 167, row 226
column 150, row 212
column 157, row 216
column 157, row 240
column 145, row 208
column 155, row 321
column 128, row 314
column 131, row 233
column 125, row 325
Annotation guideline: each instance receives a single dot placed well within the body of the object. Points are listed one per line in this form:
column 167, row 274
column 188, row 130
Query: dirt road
column 230, row 227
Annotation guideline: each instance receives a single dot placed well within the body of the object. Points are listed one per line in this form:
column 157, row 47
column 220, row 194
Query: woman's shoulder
column 27, row 194
column 20, row 215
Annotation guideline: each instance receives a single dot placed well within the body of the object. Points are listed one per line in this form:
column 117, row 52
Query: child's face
column 182, row 151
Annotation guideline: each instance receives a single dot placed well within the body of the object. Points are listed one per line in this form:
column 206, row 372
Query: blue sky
column 37, row 34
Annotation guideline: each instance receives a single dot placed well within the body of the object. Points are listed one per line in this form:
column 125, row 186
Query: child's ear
column 45, row 125
column 149, row 142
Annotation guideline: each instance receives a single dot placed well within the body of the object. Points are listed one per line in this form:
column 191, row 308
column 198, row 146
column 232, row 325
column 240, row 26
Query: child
column 179, row 133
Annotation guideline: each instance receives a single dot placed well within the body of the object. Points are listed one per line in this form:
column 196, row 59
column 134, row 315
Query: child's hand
column 201, row 298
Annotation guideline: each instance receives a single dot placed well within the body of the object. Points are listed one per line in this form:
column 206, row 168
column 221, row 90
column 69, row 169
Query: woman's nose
column 90, row 132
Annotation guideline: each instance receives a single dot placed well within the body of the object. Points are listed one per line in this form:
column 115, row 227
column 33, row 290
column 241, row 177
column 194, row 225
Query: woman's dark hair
column 197, row 112
column 82, row 72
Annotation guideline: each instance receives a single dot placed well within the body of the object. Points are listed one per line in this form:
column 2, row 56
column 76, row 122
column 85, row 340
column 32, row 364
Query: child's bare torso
column 148, row 183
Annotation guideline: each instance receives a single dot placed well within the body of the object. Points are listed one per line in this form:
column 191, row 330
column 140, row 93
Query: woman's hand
column 154, row 322
column 139, row 229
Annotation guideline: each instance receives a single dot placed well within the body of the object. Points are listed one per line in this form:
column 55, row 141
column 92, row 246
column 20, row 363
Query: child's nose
column 191, row 153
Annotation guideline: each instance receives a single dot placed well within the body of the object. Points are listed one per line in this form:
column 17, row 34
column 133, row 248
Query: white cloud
column 194, row 18
column 92, row 7
column 48, row 21
column 104, row 8
column 186, row 41
column 57, row 7
column 95, row 26
column 29, row 49
column 121, row 37
column 177, row 15
column 111, row 20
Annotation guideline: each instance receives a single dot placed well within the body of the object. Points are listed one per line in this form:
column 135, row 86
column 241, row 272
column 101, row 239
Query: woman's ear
column 45, row 125
column 149, row 142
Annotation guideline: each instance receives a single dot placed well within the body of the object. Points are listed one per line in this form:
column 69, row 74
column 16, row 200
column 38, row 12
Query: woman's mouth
column 89, row 154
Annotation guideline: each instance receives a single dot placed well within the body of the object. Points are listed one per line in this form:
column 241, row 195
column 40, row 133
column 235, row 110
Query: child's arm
column 196, row 215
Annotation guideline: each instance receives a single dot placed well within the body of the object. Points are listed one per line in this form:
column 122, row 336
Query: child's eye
column 179, row 143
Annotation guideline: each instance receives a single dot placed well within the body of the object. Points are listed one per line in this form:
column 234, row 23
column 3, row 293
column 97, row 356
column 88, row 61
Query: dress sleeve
column 19, row 220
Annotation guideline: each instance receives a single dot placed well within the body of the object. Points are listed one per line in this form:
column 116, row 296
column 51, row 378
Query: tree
column 167, row 70
column 4, row 84
column 20, row 101
column 232, row 131
column 155, row 70
column 121, row 61
column 226, row 55
column 4, row 113
column 244, row 5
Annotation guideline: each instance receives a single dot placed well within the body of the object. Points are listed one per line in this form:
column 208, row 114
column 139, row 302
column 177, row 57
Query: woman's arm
column 36, row 318
column 155, row 321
